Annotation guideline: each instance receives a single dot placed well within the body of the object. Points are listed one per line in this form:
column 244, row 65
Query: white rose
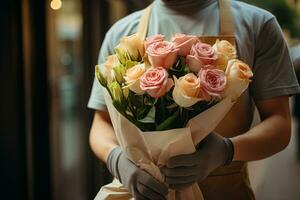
column 225, row 52
column 132, row 78
column 130, row 48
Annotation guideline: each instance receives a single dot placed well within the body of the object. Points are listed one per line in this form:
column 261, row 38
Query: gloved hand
column 139, row 183
column 184, row 170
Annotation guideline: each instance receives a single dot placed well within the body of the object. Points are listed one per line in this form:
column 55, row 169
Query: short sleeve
column 96, row 100
column 273, row 70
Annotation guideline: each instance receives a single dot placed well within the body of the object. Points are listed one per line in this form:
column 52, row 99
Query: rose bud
column 116, row 91
column 111, row 62
column 238, row 78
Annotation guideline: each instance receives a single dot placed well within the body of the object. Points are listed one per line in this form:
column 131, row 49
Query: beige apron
column 144, row 148
column 229, row 182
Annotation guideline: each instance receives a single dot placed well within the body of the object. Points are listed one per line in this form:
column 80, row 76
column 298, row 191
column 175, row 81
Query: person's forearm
column 267, row 138
column 102, row 136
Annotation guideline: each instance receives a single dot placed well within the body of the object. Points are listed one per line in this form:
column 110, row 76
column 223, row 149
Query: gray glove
column 184, row 170
column 139, row 183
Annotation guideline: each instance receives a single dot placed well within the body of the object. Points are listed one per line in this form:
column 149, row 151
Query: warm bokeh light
column 55, row 4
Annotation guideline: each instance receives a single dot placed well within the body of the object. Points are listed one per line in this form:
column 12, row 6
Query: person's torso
column 248, row 21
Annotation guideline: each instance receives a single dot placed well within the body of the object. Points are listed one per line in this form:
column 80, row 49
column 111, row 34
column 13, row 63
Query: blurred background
column 48, row 50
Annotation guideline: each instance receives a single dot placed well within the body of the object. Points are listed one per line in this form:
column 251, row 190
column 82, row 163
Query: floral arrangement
column 161, row 85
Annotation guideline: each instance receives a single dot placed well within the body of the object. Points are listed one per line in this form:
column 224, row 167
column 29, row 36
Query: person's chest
column 205, row 23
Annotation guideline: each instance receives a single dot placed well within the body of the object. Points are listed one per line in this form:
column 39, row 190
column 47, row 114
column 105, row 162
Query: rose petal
column 194, row 63
column 237, row 83
column 135, row 87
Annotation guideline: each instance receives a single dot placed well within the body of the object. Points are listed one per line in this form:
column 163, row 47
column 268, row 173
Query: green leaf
column 180, row 68
column 184, row 116
column 135, row 100
column 168, row 123
column 145, row 126
column 147, row 115
column 119, row 106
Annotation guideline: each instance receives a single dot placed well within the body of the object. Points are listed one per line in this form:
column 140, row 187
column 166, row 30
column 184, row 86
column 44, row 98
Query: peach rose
column 155, row 82
column 162, row 54
column 225, row 51
column 184, row 43
column 213, row 81
column 238, row 78
column 152, row 39
column 132, row 78
column 187, row 90
column 201, row 54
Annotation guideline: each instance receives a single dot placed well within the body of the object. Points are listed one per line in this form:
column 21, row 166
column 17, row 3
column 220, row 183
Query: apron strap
column 226, row 19
column 144, row 21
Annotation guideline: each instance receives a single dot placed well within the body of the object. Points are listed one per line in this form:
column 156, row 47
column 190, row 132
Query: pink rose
column 201, row 54
column 213, row 81
column 155, row 82
column 152, row 39
column 184, row 43
column 162, row 54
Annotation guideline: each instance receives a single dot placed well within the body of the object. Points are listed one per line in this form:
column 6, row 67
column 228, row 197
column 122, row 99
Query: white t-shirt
column 259, row 41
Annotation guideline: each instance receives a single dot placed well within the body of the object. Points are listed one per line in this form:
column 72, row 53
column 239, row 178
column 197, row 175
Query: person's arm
column 104, row 144
column 274, row 80
column 102, row 137
column 270, row 136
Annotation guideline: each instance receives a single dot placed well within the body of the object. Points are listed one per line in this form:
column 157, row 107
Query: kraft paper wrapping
column 151, row 150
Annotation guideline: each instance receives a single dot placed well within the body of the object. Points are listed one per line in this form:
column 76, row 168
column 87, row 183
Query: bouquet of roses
column 164, row 94
column 171, row 82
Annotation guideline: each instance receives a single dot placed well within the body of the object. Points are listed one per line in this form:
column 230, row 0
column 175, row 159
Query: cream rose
column 238, row 78
column 152, row 39
column 130, row 48
column 201, row 54
column 184, row 43
column 162, row 54
column 110, row 63
column 132, row 78
column 187, row 90
column 155, row 82
column 225, row 51
column 213, row 81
